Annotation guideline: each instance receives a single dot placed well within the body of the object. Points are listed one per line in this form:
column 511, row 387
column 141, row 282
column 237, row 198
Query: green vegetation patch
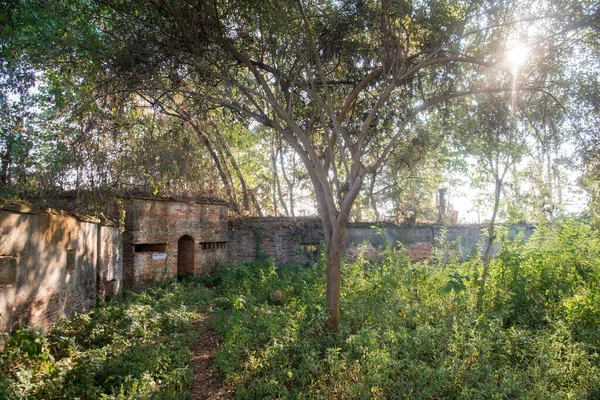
column 136, row 348
column 413, row 330
column 407, row 331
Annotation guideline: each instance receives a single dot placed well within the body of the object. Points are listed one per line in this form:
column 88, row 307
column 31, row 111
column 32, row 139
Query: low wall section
column 289, row 240
column 166, row 238
column 53, row 264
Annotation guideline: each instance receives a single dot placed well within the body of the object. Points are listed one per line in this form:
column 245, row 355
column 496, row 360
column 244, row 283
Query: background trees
column 148, row 92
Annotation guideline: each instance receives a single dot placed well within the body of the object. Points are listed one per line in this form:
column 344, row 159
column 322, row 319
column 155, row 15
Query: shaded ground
column 206, row 384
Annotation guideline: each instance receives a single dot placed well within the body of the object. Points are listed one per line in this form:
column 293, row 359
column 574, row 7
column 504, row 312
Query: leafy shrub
column 138, row 347
column 555, row 272
column 413, row 330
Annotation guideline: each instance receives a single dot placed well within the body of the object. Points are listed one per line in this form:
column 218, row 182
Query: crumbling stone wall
column 154, row 228
column 51, row 263
column 286, row 240
column 289, row 240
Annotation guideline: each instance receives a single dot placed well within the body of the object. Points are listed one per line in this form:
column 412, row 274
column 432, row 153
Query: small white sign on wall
column 159, row 256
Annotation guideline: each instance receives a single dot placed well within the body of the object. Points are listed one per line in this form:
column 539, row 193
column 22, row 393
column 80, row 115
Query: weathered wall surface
column 53, row 263
column 110, row 261
column 419, row 240
column 286, row 240
column 154, row 229
column 49, row 264
column 289, row 240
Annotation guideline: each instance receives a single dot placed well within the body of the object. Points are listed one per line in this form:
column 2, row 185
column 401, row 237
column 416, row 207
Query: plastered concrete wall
column 162, row 223
column 49, row 264
column 110, row 261
column 419, row 240
column 289, row 240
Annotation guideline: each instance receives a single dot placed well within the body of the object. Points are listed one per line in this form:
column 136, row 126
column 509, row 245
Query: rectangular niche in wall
column 151, row 248
column 70, row 261
column 8, row 270
column 213, row 245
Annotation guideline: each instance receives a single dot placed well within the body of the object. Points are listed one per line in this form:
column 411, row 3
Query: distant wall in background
column 289, row 240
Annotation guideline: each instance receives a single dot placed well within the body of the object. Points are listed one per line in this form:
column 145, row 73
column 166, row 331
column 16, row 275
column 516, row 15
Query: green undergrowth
column 412, row 331
column 407, row 331
column 135, row 348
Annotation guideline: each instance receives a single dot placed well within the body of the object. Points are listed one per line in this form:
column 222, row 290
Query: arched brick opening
column 185, row 256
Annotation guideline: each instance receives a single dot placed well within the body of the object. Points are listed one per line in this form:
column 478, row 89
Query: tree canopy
column 356, row 89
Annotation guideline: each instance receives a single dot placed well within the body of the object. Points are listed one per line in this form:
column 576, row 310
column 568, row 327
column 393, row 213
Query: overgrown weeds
column 136, row 348
column 413, row 330
column 408, row 331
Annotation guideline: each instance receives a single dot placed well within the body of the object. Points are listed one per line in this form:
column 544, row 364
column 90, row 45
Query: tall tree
column 490, row 133
column 344, row 83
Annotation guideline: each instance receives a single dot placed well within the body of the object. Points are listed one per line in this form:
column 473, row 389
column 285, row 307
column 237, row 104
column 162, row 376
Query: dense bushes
column 412, row 331
column 138, row 348
column 408, row 331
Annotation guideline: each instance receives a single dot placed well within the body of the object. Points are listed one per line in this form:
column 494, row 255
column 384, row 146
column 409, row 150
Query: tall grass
column 408, row 331
column 412, row 330
column 137, row 348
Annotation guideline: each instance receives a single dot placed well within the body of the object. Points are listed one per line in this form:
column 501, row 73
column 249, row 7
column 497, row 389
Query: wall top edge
column 176, row 200
column 269, row 221
column 23, row 207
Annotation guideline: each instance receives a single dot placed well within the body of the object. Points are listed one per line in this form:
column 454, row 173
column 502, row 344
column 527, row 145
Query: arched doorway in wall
column 185, row 256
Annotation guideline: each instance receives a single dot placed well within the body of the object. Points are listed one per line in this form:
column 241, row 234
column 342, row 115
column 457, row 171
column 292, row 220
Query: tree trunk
column 290, row 184
column 222, row 173
column 278, row 183
column 333, row 260
column 274, row 180
column 550, row 198
column 373, row 202
column 487, row 257
column 334, row 240
column 238, row 171
column 221, row 167
column 6, row 161
column 255, row 202
column 441, row 206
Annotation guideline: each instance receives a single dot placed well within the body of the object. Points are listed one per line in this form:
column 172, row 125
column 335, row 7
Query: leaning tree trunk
column 238, row 171
column 224, row 175
column 221, row 168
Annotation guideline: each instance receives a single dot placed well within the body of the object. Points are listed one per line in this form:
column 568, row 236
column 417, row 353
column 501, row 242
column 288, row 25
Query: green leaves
column 456, row 283
column 138, row 347
column 412, row 330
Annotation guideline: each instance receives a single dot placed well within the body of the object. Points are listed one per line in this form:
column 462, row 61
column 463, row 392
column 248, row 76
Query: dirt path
column 206, row 384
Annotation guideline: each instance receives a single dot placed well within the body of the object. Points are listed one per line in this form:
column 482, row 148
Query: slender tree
column 344, row 83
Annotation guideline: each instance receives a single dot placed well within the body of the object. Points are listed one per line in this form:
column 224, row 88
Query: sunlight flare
column 517, row 55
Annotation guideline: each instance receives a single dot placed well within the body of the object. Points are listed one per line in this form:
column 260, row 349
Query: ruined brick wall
column 289, row 240
column 286, row 240
column 49, row 262
column 154, row 229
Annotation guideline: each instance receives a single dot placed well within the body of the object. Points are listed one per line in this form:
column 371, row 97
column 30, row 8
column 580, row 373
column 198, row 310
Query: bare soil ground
column 206, row 383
